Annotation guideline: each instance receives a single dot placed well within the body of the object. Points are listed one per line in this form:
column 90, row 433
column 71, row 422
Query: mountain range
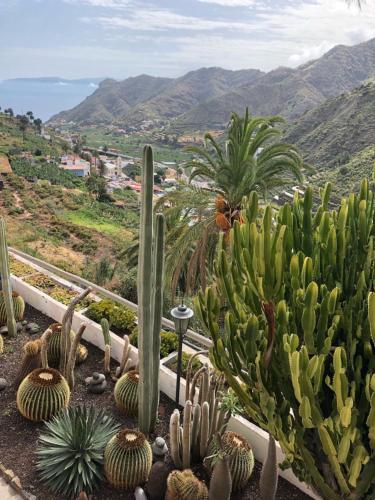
column 204, row 99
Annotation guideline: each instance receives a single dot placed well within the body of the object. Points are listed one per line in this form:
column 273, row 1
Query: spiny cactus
column 42, row 394
column 31, row 360
column 18, row 307
column 297, row 345
column 107, row 341
column 1, row 345
column 240, row 454
column 126, row 363
column 221, row 480
column 150, row 297
column 183, row 485
column 127, row 459
column 54, row 346
column 6, row 293
column 126, row 393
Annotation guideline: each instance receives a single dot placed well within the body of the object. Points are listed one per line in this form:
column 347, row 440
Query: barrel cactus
column 240, row 454
column 18, row 308
column 42, row 394
column 127, row 459
column 183, row 485
column 54, row 346
column 126, row 393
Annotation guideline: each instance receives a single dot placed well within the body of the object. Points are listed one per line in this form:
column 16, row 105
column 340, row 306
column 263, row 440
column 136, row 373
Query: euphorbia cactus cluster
column 297, row 344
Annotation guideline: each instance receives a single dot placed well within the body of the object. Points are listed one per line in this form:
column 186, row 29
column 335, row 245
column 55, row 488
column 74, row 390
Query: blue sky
column 121, row 38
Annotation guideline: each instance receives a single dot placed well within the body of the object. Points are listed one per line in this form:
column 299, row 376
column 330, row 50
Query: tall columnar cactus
column 31, row 360
column 5, row 282
column 185, row 486
column 150, row 297
column 297, row 344
column 1, row 344
column 42, row 394
column 127, row 459
column 107, row 345
column 126, row 393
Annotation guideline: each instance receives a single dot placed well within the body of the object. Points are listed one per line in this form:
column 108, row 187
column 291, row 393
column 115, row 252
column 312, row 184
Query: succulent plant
column 71, row 450
column 1, row 344
column 126, row 393
column 127, row 459
column 42, row 394
column 107, row 341
column 31, row 360
column 54, row 347
column 7, row 309
column 240, row 454
column 18, row 308
column 183, row 485
column 221, row 480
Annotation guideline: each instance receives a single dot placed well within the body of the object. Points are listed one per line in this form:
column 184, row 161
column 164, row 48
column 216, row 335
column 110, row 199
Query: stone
column 97, row 383
column 159, row 449
column 4, row 329
column 3, row 384
column 157, row 481
column 139, row 494
column 32, row 328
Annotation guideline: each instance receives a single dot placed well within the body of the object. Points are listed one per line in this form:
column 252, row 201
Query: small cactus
column 241, row 457
column 107, row 341
column 126, row 393
column 42, row 394
column 183, row 485
column 1, row 344
column 31, row 360
column 18, row 308
column 127, row 459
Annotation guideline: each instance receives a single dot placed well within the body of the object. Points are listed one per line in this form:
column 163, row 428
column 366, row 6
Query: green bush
column 119, row 317
column 168, row 342
column 128, row 286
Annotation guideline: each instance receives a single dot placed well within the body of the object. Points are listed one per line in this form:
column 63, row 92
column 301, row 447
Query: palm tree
column 221, row 176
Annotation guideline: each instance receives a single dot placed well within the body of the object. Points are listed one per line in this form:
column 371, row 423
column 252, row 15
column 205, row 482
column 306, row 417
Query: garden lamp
column 181, row 316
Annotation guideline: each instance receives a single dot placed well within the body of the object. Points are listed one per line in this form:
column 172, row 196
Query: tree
column 251, row 159
column 38, row 125
column 97, row 186
column 30, row 116
column 23, row 123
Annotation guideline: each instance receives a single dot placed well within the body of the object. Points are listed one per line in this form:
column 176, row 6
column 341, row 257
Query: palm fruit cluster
column 183, row 485
column 127, row 459
column 42, row 394
column 18, row 308
column 126, row 393
column 54, row 346
column 241, row 463
column 297, row 345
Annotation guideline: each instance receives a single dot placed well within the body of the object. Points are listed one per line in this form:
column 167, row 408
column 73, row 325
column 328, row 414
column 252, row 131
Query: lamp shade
column 181, row 316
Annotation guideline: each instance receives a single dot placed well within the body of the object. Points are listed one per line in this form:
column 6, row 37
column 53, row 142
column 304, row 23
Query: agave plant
column 70, row 451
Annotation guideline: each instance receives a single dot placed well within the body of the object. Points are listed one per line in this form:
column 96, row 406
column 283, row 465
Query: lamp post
column 181, row 316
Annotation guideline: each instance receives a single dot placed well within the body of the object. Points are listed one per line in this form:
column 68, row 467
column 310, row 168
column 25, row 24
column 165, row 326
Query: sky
column 122, row 38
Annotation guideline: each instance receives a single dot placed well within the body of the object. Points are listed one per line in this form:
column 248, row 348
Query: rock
column 24, row 322
column 97, row 383
column 4, row 329
column 159, row 449
column 32, row 328
column 3, row 384
column 139, row 494
column 157, row 481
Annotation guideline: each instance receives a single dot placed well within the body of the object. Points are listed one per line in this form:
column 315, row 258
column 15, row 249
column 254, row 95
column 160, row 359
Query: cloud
column 231, row 3
column 308, row 53
column 101, row 3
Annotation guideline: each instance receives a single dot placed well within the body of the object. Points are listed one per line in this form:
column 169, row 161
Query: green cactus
column 18, row 308
column 127, row 459
column 150, row 297
column 297, row 346
column 31, row 360
column 54, row 346
column 269, row 476
column 42, row 394
column 107, row 345
column 126, row 393
column 7, row 313
column 241, row 457
column 1, row 345
column 183, row 485
column 221, row 480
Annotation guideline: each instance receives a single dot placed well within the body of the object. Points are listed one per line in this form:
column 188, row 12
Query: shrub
column 197, row 364
column 168, row 342
column 71, row 449
column 119, row 317
column 128, row 286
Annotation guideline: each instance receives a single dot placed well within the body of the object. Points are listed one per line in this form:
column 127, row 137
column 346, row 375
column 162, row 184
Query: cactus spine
column 5, row 280
column 185, row 486
column 127, row 459
column 241, row 457
column 107, row 345
column 150, row 298
column 126, row 393
column 42, row 394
